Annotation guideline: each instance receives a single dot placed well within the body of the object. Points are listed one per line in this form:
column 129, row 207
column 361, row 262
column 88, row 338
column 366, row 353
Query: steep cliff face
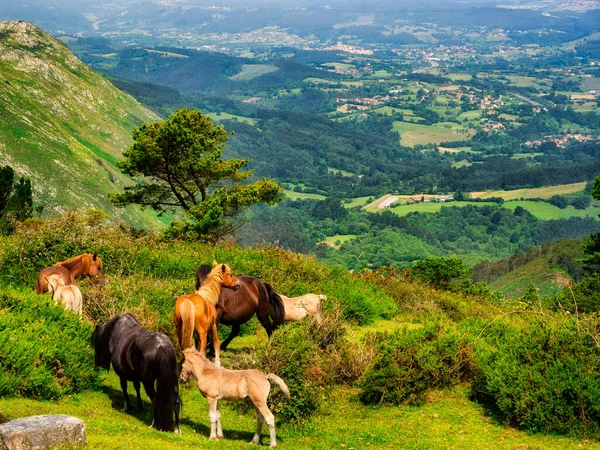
column 62, row 124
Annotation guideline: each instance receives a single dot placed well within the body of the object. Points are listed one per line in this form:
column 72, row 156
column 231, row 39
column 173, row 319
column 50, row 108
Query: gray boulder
column 40, row 432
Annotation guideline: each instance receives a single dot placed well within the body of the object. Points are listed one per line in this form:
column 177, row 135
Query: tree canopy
column 178, row 164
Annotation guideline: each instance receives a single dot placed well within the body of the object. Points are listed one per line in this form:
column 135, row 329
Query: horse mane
column 277, row 307
column 211, row 288
column 99, row 341
column 208, row 362
column 168, row 378
column 202, row 274
column 69, row 263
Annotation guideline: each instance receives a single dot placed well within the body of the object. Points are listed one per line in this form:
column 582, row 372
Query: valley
column 432, row 168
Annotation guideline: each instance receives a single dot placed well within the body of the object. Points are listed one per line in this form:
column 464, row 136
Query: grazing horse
column 141, row 356
column 86, row 264
column 69, row 296
column 235, row 308
column 197, row 311
column 297, row 308
column 216, row 383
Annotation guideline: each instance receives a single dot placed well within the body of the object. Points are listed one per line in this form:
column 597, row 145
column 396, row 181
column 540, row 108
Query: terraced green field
column 301, row 195
column 412, row 134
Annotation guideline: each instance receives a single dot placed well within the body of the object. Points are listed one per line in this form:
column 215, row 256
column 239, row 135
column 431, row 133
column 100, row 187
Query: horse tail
column 280, row 383
column 187, row 311
column 167, row 401
column 276, row 311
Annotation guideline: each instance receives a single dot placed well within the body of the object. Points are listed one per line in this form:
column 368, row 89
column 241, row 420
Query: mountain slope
column 62, row 124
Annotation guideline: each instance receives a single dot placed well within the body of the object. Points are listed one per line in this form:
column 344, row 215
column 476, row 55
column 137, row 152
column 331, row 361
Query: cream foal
column 69, row 296
column 216, row 383
column 297, row 308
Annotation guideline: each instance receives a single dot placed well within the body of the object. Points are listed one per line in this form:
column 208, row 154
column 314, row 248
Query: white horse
column 297, row 308
column 69, row 296
column 217, row 383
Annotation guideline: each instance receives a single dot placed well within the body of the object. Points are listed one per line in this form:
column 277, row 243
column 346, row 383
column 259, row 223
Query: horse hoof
column 177, row 431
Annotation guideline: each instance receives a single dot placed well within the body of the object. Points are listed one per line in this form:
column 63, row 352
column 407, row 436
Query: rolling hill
column 63, row 125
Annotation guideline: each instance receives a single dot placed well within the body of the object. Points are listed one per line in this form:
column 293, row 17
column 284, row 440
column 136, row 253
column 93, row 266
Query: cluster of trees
column 16, row 199
column 385, row 239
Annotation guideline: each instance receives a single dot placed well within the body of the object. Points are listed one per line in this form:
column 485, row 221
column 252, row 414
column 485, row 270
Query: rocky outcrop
column 40, row 432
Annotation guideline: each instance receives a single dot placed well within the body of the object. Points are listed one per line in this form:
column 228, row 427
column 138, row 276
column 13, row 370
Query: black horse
column 235, row 308
column 141, row 356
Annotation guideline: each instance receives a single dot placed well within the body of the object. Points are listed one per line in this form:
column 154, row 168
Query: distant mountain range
column 63, row 125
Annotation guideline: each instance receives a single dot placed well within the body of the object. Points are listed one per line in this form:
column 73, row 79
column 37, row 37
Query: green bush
column 412, row 361
column 545, row 378
column 44, row 350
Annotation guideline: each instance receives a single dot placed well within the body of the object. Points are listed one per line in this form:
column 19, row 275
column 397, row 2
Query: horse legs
column 270, row 419
column 263, row 318
column 235, row 330
column 216, row 344
column 124, row 389
column 149, row 388
column 201, row 346
column 219, row 429
column 214, row 416
column 259, row 423
column 140, row 405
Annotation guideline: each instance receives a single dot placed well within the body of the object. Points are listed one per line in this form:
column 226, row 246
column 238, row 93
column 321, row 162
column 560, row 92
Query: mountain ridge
column 64, row 125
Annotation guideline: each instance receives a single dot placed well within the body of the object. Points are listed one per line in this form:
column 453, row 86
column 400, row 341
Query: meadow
column 346, row 375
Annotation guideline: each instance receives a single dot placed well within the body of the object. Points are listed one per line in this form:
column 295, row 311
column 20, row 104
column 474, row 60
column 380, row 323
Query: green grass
column 301, row 195
column 357, row 201
column 470, row 115
column 412, row 134
column 448, row 420
column 431, row 207
column 340, row 237
column 461, row 163
column 542, row 192
column 525, row 155
column 217, row 117
column 341, row 171
column 546, row 211
column 541, row 273
column 250, row 71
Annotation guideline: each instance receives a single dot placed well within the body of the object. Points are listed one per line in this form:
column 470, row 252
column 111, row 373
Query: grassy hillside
column 367, row 316
column 62, row 124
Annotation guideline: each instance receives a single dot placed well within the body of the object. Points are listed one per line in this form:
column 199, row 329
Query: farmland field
column 546, row 211
column 412, row 134
column 543, row 192
column 301, row 195
column 217, row 117
column 250, row 71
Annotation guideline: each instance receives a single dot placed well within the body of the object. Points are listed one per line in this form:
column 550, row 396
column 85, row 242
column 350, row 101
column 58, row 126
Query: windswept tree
column 178, row 164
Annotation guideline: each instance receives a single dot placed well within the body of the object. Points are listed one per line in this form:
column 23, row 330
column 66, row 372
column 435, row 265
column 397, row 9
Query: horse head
column 100, row 337
column 92, row 267
column 229, row 280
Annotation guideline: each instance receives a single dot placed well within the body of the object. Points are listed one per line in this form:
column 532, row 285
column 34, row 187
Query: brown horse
column 196, row 312
column 86, row 264
column 235, row 308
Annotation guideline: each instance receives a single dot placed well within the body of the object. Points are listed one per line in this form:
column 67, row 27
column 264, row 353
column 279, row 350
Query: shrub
column 306, row 355
column 44, row 350
column 544, row 378
column 412, row 361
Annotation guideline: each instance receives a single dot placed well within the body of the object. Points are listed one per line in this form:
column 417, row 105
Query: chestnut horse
column 86, row 264
column 196, row 312
column 235, row 308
